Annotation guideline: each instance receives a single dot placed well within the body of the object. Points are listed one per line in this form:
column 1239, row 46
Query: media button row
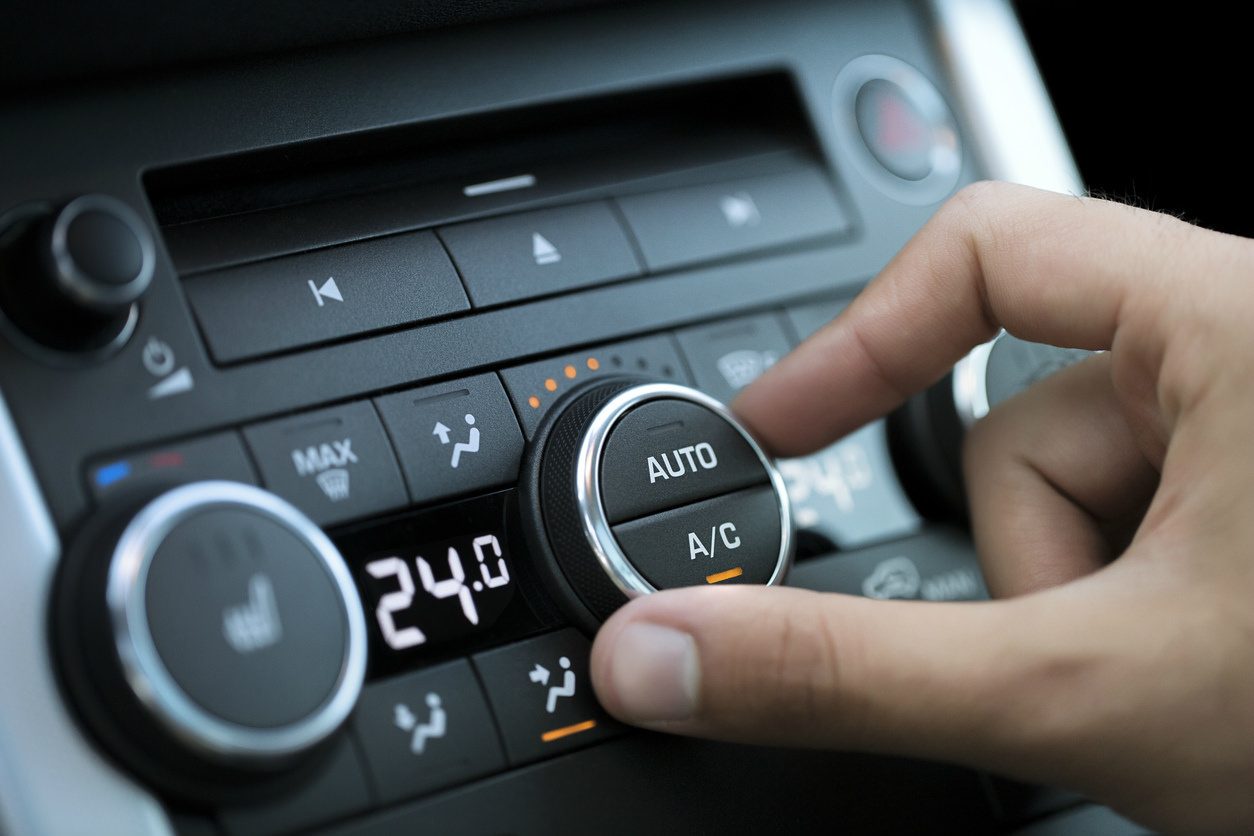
column 404, row 279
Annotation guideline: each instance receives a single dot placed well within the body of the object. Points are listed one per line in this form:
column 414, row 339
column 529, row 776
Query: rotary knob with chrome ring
column 212, row 638
column 635, row 487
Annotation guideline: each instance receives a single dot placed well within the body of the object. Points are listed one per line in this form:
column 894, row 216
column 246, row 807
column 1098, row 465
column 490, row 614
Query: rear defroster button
column 635, row 487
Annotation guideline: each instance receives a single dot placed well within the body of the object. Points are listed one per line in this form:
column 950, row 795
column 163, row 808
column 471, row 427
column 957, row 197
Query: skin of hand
column 1108, row 507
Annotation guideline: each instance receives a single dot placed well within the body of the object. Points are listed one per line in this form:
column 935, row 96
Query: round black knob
column 635, row 487
column 98, row 253
column 926, row 432
column 70, row 276
column 213, row 639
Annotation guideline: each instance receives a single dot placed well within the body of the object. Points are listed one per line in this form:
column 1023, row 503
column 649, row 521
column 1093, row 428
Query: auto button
column 666, row 453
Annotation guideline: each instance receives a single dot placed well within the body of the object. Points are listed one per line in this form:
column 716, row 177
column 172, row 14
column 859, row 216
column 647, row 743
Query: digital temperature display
column 440, row 591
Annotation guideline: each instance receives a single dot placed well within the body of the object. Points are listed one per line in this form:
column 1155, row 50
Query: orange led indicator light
column 567, row 731
column 724, row 576
column 571, row 372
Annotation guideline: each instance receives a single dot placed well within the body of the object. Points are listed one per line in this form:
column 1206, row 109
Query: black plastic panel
column 712, row 114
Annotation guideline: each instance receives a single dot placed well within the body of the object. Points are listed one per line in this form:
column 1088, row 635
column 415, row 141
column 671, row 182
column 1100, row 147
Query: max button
column 668, row 453
column 334, row 464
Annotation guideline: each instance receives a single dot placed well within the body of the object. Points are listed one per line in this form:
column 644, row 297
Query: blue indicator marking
column 111, row 473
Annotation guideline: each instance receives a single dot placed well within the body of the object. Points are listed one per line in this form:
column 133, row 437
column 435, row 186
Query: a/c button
column 728, row 539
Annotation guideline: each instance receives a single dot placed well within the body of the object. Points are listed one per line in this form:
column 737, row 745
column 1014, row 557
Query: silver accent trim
column 505, row 184
column 970, row 384
column 12, row 221
column 148, row 676
column 85, row 289
column 1000, row 90
column 621, row 571
column 1013, row 126
column 44, row 759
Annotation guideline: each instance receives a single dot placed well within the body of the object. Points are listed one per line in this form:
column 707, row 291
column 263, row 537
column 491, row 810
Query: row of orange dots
column 571, row 373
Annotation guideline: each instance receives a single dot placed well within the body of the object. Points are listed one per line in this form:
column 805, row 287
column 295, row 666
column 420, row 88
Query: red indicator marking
column 899, row 127
column 160, row 460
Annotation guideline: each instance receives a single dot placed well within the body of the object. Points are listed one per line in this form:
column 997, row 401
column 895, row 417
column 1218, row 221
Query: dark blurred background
column 1153, row 96
column 1155, row 102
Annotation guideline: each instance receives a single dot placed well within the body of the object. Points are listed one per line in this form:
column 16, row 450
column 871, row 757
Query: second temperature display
column 447, row 590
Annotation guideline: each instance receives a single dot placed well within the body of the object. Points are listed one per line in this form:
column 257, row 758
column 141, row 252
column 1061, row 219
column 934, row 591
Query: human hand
column 1108, row 507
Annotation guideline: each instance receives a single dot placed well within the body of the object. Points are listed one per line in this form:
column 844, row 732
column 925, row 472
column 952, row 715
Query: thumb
column 978, row 683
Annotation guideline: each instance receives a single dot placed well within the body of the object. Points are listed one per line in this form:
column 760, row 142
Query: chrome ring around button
column 152, row 682
column 944, row 151
column 86, row 290
column 589, row 496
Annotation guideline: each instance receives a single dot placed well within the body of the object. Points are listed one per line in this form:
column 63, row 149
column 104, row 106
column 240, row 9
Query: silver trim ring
column 946, row 148
column 151, row 680
column 970, row 383
column 62, row 358
column 84, row 289
column 621, row 571
column 1003, row 98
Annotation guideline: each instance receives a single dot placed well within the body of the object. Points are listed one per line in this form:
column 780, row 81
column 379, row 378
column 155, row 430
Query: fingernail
column 655, row 673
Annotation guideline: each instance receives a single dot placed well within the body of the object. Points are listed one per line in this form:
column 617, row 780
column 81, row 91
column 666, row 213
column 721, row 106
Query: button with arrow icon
column 454, row 438
column 538, row 253
column 542, row 696
column 328, row 290
column 292, row 301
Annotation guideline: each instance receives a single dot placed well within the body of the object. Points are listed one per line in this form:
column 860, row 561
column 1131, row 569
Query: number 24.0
column 403, row 598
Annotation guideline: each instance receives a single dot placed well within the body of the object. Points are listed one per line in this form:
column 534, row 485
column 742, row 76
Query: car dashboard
column 347, row 292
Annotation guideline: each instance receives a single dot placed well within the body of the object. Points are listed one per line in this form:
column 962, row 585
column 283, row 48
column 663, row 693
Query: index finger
column 1046, row 267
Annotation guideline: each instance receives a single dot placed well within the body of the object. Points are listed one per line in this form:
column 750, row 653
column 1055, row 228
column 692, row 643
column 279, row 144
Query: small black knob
column 213, row 639
column 635, row 487
column 98, row 253
column 70, row 277
column 926, row 432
